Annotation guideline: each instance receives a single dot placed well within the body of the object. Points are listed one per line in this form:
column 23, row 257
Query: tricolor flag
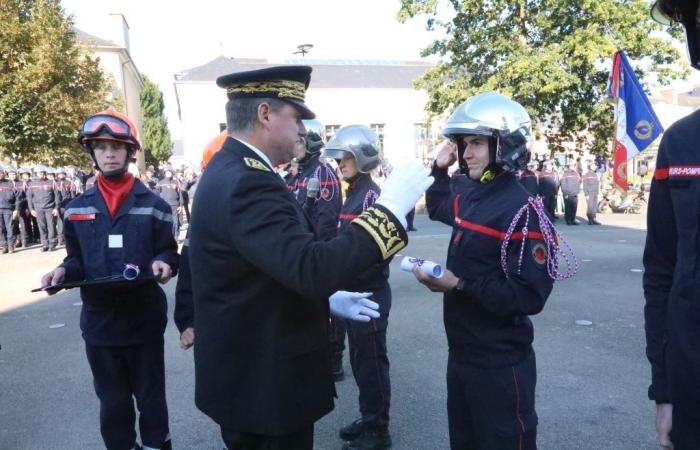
column 636, row 124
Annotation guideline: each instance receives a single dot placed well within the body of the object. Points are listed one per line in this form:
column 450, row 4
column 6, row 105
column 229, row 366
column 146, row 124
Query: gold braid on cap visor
column 282, row 88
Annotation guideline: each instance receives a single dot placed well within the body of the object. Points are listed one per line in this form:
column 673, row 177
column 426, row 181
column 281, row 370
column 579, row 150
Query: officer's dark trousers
column 176, row 220
column 683, row 366
column 121, row 374
column 492, row 408
column 336, row 339
column 550, row 204
column 7, row 237
column 59, row 228
column 370, row 363
column 299, row 440
column 409, row 219
column 570, row 205
column 47, row 227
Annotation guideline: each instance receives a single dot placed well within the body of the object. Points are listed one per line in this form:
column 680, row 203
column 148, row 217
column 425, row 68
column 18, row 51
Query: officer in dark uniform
column 261, row 279
column 671, row 283
column 356, row 148
column 548, row 180
column 498, row 273
column 118, row 225
column 324, row 213
column 8, row 211
column 44, row 201
column 169, row 190
column 528, row 178
column 591, row 186
column 570, row 187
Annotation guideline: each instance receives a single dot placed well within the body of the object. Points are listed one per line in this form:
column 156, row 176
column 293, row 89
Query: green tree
column 156, row 141
column 48, row 84
column 552, row 56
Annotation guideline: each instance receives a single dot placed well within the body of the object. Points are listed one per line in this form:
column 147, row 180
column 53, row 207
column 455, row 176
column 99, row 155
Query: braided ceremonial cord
column 556, row 245
column 326, row 177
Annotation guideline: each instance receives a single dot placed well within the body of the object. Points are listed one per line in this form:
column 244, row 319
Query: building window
column 421, row 139
column 330, row 131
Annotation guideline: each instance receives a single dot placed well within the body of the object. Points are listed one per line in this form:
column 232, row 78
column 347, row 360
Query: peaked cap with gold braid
column 286, row 83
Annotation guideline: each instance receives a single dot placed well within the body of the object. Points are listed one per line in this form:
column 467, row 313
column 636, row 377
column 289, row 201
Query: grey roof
column 326, row 74
column 86, row 38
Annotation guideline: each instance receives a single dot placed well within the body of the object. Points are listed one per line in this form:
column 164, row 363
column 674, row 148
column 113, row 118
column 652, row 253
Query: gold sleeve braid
column 383, row 230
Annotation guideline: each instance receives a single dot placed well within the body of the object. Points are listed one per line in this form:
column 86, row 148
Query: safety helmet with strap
column 110, row 125
column 359, row 141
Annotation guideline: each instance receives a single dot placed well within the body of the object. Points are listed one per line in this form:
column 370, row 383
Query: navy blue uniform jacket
column 122, row 315
column 261, row 281
column 487, row 323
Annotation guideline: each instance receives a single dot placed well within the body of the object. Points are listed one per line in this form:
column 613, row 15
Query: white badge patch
column 116, row 241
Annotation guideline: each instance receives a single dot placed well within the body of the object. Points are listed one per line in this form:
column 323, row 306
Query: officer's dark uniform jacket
column 184, row 304
column 671, row 269
column 123, row 314
column 324, row 215
column 42, row 195
column 8, row 195
column 169, row 190
column 529, row 181
column 376, row 277
column 261, row 286
column 570, row 183
column 487, row 323
column 548, row 182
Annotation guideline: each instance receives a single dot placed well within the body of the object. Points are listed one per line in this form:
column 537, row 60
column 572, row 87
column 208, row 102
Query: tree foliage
column 48, row 85
column 156, row 140
column 552, row 56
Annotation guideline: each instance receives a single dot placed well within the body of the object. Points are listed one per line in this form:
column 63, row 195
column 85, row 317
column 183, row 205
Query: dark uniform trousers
column 370, row 363
column 47, row 227
column 570, row 206
column 119, row 373
column 23, row 226
column 7, row 237
column 476, row 399
column 299, row 440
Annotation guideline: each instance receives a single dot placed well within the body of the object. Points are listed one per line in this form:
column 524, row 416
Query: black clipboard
column 110, row 282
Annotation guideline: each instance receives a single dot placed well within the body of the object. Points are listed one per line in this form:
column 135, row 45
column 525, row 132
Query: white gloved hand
column 353, row 306
column 403, row 187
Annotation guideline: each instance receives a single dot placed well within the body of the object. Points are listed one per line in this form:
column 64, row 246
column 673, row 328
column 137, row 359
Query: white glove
column 403, row 187
column 353, row 306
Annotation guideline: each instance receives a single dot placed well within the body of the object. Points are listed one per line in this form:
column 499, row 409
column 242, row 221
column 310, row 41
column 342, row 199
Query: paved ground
column 592, row 380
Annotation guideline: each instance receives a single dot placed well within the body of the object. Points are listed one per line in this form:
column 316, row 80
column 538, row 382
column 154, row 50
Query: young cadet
column 262, row 281
column 115, row 226
column 500, row 270
column 671, row 288
column 356, row 147
column 44, row 201
column 9, row 210
column 570, row 187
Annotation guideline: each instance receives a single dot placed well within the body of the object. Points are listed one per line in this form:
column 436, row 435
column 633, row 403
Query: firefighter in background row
column 44, row 201
column 8, row 211
column 169, row 190
column 671, row 288
column 570, row 187
column 19, row 227
column 28, row 227
column 529, row 179
column 356, row 149
column 591, row 187
column 66, row 191
column 548, row 180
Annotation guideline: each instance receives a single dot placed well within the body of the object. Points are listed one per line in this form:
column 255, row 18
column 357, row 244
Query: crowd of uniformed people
column 260, row 295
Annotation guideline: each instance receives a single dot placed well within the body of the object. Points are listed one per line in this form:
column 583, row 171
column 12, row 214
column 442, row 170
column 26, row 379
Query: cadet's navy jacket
column 360, row 195
column 43, row 194
column 487, row 323
column 570, row 183
column 671, row 268
column 66, row 190
column 170, row 191
column 529, row 181
column 548, row 182
column 324, row 215
column 99, row 246
column 8, row 195
column 261, row 281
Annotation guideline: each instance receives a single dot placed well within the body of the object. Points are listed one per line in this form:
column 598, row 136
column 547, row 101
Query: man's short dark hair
column 241, row 113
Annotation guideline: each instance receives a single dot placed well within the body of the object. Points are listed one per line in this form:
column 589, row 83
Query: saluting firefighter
column 356, row 147
column 120, row 224
column 262, row 281
column 591, row 187
column 570, row 187
column 499, row 272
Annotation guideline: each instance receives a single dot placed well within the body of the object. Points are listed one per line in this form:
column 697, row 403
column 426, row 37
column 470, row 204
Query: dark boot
column 595, row 222
column 352, row 431
column 590, row 219
column 371, row 440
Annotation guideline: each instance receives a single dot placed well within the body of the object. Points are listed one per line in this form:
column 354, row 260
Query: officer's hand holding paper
column 403, row 187
column 353, row 306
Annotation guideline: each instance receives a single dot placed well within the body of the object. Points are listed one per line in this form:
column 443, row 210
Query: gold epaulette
column 255, row 164
column 383, row 230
